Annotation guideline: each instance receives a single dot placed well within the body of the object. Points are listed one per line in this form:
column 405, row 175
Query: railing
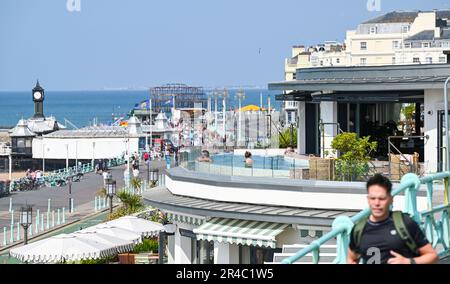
column 322, row 126
column 234, row 165
column 436, row 230
column 411, row 167
column 52, row 178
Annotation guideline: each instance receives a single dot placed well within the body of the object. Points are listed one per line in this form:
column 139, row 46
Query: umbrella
column 121, row 245
column 141, row 226
column 63, row 247
column 115, row 232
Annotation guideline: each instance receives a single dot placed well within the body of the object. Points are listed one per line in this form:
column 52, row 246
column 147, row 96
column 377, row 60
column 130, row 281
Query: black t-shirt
column 379, row 238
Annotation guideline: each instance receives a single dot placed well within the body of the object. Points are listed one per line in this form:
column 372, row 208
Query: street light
column 110, row 191
column 26, row 219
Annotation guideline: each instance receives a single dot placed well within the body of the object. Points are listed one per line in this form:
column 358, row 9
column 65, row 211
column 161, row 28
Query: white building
column 101, row 142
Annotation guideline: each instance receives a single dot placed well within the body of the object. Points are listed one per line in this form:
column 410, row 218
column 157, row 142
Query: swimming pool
column 260, row 162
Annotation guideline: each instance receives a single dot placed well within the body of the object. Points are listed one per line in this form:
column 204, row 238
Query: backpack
column 400, row 227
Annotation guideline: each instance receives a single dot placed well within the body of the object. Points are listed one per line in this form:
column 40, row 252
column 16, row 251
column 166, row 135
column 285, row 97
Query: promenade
column 83, row 194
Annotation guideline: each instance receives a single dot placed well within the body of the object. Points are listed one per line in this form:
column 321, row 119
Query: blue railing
column 436, row 230
column 51, row 178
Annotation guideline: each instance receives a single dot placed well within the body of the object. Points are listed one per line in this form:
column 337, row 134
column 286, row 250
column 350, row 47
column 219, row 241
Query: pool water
column 259, row 162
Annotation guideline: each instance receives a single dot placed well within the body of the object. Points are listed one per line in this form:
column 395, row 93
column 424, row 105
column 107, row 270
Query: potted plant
column 354, row 155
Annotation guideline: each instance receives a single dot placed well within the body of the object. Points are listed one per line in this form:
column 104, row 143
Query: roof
column 423, row 35
column 22, row 130
column 429, row 35
column 367, row 78
column 91, row 132
column 394, row 17
column 44, row 125
column 251, row 108
column 38, row 87
column 102, row 132
column 162, row 198
column 405, row 17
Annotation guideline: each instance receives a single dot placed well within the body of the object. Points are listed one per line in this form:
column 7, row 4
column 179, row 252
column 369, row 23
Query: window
column 416, row 60
column 442, row 59
column 429, row 60
column 363, row 61
column 407, row 45
column 426, row 45
column 405, row 29
column 395, row 44
column 373, row 30
column 321, row 62
column 338, row 60
column 363, row 45
column 393, row 60
column 20, row 142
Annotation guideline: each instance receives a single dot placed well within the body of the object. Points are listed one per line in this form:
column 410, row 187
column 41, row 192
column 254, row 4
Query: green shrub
column 354, row 155
column 131, row 203
column 104, row 260
column 147, row 245
column 285, row 138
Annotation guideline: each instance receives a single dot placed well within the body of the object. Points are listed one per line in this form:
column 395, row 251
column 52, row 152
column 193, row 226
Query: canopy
column 115, row 232
column 63, row 247
column 141, row 226
column 236, row 231
column 121, row 245
column 251, row 108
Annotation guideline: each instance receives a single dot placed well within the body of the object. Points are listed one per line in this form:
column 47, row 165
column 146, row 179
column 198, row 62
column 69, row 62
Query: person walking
column 106, row 176
column 387, row 237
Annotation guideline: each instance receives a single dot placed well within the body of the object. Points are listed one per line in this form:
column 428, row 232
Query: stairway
column 327, row 254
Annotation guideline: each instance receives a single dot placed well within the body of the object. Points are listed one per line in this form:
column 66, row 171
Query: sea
column 83, row 108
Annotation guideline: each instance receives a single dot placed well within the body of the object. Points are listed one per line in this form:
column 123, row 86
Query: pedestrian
column 106, row 176
column 145, row 156
column 135, row 173
column 387, row 236
column 248, row 159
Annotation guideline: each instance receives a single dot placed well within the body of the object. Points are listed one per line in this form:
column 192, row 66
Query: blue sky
column 141, row 43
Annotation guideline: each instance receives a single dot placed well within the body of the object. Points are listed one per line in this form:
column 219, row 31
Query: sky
column 143, row 43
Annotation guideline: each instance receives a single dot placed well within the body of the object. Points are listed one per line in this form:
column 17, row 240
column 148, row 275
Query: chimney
column 437, row 32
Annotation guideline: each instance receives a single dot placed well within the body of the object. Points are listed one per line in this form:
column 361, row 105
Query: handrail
column 436, row 231
column 399, row 152
column 53, row 176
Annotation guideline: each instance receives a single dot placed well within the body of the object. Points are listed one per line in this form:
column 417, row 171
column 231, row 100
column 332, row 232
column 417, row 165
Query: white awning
column 244, row 232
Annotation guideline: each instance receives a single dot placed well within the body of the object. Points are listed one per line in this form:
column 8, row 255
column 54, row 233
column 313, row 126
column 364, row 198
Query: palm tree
column 132, row 203
column 136, row 184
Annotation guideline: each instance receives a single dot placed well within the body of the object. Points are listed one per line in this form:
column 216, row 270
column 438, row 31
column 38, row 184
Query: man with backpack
column 387, row 237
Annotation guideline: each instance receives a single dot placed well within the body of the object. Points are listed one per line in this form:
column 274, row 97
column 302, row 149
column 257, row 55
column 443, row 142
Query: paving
column 83, row 194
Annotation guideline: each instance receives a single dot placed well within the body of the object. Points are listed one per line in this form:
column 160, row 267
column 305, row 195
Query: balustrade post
column 411, row 196
column 345, row 224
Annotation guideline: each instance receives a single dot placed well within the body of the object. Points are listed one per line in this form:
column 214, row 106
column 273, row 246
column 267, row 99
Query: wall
column 328, row 114
column 434, row 101
column 183, row 254
column 335, row 197
column 82, row 148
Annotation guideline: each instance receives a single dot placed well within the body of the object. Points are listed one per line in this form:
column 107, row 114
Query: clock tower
column 38, row 98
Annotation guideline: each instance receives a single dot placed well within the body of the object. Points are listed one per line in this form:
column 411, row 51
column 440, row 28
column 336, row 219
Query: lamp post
column 43, row 159
column 26, row 219
column 225, row 95
column 110, row 191
column 240, row 96
column 216, row 95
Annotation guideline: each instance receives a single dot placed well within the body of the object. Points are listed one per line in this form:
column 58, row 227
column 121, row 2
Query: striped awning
column 184, row 219
column 244, row 232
